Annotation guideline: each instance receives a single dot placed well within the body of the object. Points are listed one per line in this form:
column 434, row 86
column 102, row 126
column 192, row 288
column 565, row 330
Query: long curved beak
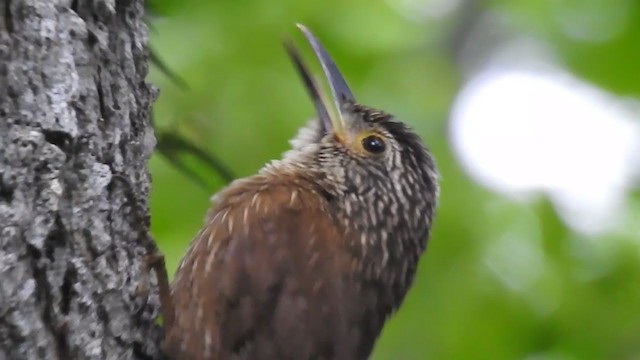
column 314, row 91
column 332, row 118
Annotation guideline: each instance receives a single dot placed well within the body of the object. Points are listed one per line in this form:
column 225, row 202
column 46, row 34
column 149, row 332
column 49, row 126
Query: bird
column 308, row 258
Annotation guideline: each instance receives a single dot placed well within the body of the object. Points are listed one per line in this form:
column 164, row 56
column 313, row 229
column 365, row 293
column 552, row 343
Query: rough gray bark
column 75, row 139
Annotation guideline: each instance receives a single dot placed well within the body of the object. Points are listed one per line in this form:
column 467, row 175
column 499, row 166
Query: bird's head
column 378, row 172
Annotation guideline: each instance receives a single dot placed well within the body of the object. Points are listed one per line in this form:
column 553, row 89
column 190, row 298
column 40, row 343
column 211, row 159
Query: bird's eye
column 373, row 144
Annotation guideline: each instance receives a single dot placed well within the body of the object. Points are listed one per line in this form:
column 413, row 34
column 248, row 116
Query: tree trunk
column 75, row 138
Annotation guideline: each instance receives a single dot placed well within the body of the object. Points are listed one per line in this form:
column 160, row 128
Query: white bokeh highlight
column 522, row 131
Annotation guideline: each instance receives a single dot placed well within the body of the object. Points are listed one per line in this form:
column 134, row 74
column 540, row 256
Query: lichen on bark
column 75, row 138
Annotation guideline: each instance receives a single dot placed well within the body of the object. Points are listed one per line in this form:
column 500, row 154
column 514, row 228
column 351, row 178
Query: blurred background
column 531, row 108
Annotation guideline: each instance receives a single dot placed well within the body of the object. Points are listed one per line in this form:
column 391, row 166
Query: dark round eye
column 373, row 144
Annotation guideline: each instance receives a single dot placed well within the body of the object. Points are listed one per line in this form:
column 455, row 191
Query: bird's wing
column 266, row 278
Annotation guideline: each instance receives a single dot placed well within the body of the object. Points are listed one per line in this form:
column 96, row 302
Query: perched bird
column 308, row 258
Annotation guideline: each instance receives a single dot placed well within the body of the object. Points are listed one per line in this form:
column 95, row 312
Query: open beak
column 331, row 118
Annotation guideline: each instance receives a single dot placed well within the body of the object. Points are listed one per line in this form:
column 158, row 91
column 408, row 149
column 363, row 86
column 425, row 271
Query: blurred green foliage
column 500, row 280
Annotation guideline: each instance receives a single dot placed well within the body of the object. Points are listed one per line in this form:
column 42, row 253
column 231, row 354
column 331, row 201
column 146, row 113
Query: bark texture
column 75, row 139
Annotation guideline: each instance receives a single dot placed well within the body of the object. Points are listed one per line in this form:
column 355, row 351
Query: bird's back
column 270, row 276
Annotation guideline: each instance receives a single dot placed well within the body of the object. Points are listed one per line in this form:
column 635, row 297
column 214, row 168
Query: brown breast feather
column 269, row 277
